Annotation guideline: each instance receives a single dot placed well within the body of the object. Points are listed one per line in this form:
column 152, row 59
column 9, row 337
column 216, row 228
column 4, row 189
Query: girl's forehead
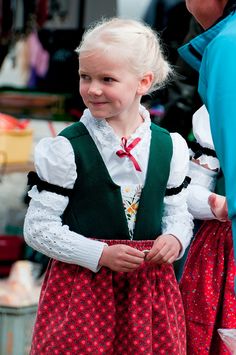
column 99, row 53
column 100, row 58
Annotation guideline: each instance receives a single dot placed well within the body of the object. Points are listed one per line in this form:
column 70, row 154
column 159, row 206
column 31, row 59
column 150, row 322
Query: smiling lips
column 97, row 103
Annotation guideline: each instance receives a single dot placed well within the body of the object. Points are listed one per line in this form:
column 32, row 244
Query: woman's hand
column 166, row 249
column 121, row 257
column 219, row 207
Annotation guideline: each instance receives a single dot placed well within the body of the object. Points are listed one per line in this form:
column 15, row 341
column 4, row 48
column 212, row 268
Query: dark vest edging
column 96, row 209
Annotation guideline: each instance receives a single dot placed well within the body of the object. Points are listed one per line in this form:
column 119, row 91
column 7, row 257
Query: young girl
column 109, row 207
column 207, row 284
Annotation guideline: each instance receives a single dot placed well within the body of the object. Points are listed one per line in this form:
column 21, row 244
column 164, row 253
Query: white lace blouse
column 55, row 163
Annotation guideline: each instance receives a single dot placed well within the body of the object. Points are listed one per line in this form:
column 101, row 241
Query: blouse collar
column 106, row 134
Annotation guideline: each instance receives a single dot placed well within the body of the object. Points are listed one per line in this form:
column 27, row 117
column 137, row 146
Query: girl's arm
column 177, row 221
column 43, row 229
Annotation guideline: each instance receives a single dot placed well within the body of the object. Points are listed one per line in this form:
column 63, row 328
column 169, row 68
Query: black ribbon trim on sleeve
column 199, row 150
column 178, row 189
column 33, row 179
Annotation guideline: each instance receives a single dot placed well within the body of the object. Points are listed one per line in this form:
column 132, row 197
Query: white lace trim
column 104, row 133
column 213, row 163
column 56, row 202
column 202, row 176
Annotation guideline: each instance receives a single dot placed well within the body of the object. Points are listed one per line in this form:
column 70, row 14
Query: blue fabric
column 213, row 54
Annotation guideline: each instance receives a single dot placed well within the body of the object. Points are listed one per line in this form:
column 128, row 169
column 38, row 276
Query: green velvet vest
column 96, row 208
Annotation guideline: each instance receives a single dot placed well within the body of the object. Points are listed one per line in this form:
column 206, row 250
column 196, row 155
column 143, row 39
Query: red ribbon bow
column 127, row 149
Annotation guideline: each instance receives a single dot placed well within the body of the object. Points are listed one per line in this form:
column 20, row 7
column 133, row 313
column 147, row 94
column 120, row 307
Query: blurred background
column 37, row 43
column 39, row 96
column 38, row 39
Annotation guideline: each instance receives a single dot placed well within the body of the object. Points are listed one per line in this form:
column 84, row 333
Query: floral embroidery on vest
column 131, row 196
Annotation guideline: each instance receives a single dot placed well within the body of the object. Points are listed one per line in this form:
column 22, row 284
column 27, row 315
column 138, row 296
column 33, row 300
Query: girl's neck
column 125, row 128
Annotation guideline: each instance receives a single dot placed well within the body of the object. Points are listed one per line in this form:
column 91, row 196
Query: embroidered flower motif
column 131, row 196
column 133, row 208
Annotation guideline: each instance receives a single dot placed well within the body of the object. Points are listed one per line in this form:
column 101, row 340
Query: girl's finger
column 128, row 266
column 158, row 255
column 170, row 254
column 172, row 259
column 135, row 252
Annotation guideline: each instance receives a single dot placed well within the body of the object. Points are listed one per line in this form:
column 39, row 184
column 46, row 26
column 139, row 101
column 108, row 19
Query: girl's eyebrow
column 110, row 74
column 101, row 74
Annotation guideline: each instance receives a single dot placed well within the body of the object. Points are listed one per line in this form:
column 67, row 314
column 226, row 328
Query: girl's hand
column 166, row 249
column 219, row 207
column 121, row 257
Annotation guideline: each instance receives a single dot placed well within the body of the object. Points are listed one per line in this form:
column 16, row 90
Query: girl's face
column 206, row 12
column 107, row 85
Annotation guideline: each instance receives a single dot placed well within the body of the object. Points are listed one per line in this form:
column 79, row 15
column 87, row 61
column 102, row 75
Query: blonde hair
column 137, row 42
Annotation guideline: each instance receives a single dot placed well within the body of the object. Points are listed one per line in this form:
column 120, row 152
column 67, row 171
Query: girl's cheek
column 82, row 89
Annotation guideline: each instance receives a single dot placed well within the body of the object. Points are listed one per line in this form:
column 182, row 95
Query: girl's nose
column 94, row 89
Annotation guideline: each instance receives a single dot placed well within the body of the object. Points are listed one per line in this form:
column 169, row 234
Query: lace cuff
column 52, row 200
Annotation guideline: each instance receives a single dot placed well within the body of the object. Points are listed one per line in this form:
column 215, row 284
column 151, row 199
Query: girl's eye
column 108, row 79
column 84, row 77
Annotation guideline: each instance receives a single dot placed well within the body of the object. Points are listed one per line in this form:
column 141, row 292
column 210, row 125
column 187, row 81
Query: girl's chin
column 99, row 114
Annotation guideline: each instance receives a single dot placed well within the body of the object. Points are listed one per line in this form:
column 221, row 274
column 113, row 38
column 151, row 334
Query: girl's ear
column 145, row 83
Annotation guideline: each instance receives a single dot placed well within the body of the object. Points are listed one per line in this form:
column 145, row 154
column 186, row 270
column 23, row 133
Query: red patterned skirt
column 112, row 313
column 207, row 288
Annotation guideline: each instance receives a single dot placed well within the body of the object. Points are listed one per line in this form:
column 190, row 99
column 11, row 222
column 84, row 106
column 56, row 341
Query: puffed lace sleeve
column 176, row 218
column 43, row 228
column 204, row 168
column 55, row 162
